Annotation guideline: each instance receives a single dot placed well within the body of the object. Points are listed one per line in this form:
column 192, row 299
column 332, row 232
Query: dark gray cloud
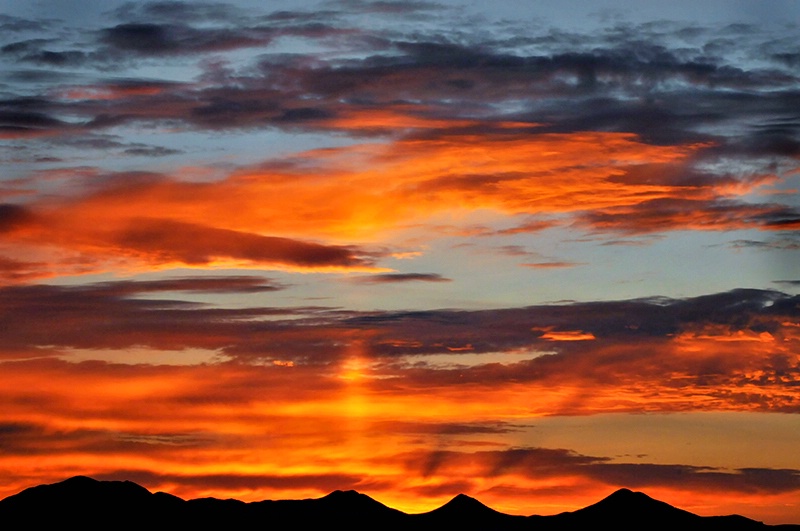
column 26, row 46
column 475, row 73
column 115, row 315
column 13, row 216
column 169, row 29
column 51, row 58
column 35, row 76
column 46, row 52
column 28, row 438
column 23, row 118
column 639, row 318
column 182, row 12
column 150, row 39
column 14, row 24
column 538, row 463
column 203, row 284
column 151, row 151
column 437, row 428
column 107, row 143
column 789, row 242
column 392, row 7
column 391, row 278
column 659, row 215
column 394, row 333
column 402, row 333
column 197, row 244
column 552, row 265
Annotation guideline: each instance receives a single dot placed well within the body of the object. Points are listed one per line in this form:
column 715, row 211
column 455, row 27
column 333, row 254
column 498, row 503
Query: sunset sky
column 531, row 252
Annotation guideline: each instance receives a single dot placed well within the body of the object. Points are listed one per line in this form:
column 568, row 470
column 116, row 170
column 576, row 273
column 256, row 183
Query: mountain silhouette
column 91, row 504
column 636, row 508
column 358, row 510
column 463, row 503
column 464, row 512
column 629, row 510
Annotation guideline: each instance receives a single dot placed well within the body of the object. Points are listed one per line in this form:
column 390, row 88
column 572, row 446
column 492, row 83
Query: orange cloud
column 112, row 91
column 567, row 335
column 332, row 198
column 576, row 359
column 392, row 426
column 395, row 120
column 313, row 210
column 251, row 432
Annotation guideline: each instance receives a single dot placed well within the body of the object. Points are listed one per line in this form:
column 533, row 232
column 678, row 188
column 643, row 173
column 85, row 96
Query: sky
column 531, row 252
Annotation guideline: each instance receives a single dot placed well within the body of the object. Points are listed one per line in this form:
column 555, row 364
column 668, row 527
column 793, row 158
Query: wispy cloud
column 627, row 137
column 551, row 265
column 391, row 278
column 729, row 347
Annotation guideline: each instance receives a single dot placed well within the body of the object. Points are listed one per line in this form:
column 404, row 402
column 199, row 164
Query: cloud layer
column 636, row 129
column 265, row 254
column 330, row 381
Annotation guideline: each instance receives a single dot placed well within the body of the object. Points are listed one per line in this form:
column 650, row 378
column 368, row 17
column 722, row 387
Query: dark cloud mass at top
column 644, row 80
column 712, row 93
column 611, row 71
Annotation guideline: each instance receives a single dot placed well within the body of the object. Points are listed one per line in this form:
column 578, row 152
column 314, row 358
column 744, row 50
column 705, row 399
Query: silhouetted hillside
column 92, row 504
column 463, row 512
column 628, row 510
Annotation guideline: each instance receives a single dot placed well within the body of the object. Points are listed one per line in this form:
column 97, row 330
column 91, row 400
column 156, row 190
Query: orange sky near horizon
column 379, row 426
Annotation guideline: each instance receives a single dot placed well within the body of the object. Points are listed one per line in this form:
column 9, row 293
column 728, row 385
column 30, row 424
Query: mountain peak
column 81, row 498
column 78, row 487
column 463, row 498
column 626, row 496
column 342, row 502
column 623, row 492
column 343, row 494
column 350, row 496
column 625, row 505
column 463, row 504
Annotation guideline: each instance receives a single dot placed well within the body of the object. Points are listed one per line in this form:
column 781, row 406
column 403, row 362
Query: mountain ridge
column 88, row 502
